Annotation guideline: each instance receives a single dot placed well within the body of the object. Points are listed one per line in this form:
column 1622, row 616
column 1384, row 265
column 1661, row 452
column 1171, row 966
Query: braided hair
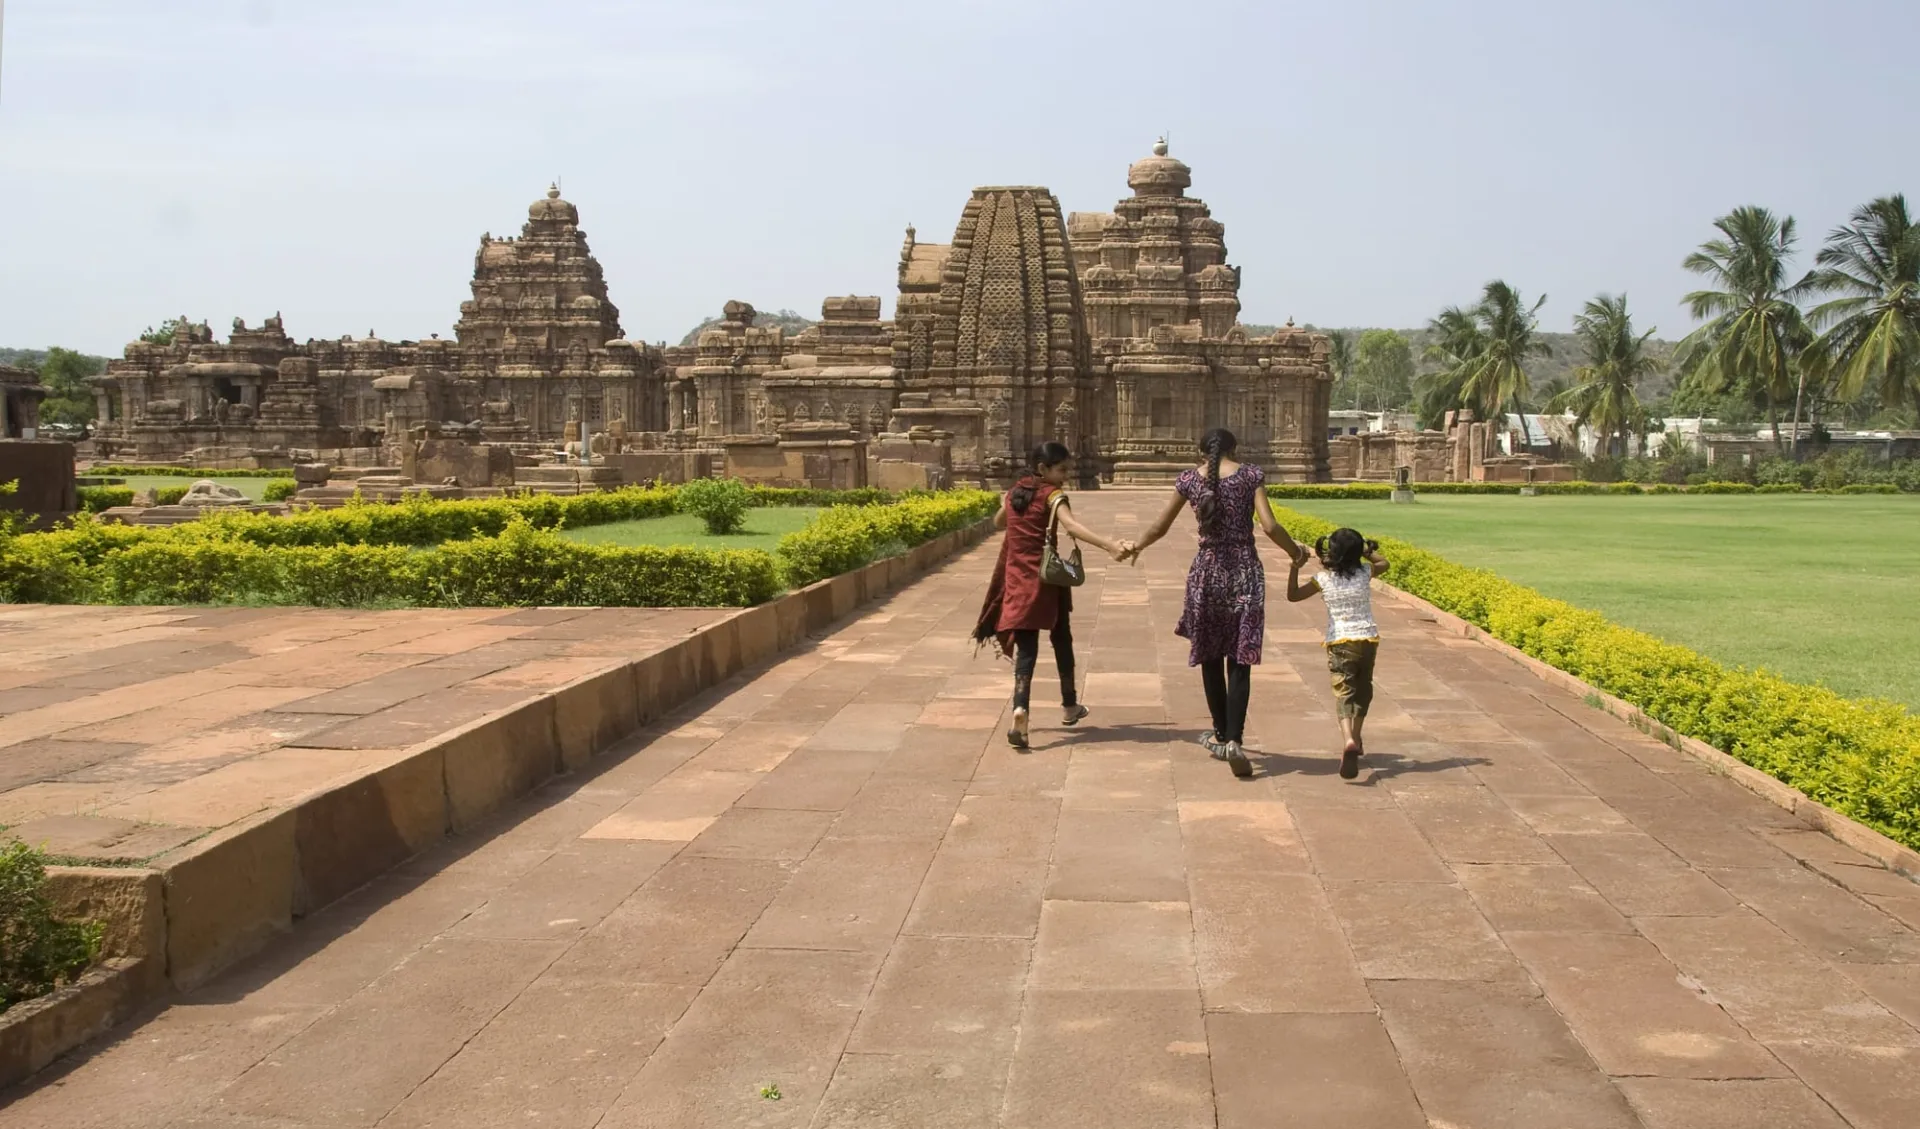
column 1214, row 444
column 1045, row 455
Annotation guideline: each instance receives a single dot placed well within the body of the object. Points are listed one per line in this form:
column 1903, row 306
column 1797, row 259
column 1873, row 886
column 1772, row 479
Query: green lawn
column 1815, row 588
column 251, row 487
column 764, row 529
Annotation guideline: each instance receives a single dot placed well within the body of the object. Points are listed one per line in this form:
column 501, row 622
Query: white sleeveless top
column 1349, row 605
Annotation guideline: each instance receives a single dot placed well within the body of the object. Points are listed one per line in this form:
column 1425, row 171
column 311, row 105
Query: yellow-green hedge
column 846, row 537
column 1860, row 757
column 501, row 552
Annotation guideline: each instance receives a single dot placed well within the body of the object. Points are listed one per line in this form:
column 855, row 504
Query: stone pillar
column 103, row 405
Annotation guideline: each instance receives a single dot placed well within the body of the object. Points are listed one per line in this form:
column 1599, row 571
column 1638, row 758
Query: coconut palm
column 1617, row 360
column 1492, row 375
column 1457, row 340
column 1872, row 340
column 1753, row 331
column 1340, row 358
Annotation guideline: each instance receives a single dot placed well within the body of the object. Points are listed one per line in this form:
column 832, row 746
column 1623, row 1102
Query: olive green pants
column 1351, row 664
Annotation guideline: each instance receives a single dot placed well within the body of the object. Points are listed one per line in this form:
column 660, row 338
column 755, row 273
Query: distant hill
column 1559, row 365
column 32, row 358
column 762, row 319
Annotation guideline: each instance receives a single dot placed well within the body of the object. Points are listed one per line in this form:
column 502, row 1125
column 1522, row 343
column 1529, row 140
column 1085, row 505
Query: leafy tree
column 1872, row 341
column 1382, row 370
column 1753, row 332
column 163, row 335
column 69, row 398
column 1617, row 361
column 1485, row 352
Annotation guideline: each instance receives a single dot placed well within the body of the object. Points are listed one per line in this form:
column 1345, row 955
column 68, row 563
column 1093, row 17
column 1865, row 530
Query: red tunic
column 1025, row 603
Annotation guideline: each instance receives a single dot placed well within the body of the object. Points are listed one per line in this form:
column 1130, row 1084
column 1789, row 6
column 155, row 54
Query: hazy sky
column 1372, row 160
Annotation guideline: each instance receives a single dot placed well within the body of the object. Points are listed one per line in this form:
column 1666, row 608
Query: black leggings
column 1026, row 654
column 1229, row 685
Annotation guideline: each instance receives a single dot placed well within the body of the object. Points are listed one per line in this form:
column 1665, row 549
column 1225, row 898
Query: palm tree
column 1753, row 330
column 1873, row 335
column 1341, row 359
column 1491, row 372
column 1617, row 360
column 1457, row 340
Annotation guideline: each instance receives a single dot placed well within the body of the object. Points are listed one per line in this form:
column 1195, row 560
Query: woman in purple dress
column 1225, row 614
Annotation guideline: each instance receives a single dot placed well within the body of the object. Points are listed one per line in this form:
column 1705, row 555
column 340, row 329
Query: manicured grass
column 253, row 488
column 1814, row 588
column 764, row 529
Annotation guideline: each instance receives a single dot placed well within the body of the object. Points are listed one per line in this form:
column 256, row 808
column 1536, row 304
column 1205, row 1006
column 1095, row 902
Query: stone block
column 44, row 470
column 497, row 759
column 347, row 835
column 593, row 712
column 130, row 902
column 227, row 895
column 469, row 464
column 34, row 1033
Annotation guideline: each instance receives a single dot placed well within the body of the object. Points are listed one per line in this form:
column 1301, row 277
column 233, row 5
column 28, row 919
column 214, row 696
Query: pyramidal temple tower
column 996, row 348
column 543, row 290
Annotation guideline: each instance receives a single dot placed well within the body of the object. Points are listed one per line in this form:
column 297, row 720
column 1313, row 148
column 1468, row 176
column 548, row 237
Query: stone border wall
column 1817, row 816
column 196, row 911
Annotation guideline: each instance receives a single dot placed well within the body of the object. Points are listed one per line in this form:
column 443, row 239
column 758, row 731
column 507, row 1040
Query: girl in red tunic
column 1018, row 606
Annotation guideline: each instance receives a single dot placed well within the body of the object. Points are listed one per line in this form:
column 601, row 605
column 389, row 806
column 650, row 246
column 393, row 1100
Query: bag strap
column 1054, row 501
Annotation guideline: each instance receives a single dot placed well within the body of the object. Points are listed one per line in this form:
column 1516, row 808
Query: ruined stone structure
column 1115, row 333
column 537, row 346
column 20, row 396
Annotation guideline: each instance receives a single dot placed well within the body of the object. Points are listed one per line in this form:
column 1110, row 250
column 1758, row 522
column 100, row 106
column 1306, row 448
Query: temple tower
column 999, row 356
column 1162, row 312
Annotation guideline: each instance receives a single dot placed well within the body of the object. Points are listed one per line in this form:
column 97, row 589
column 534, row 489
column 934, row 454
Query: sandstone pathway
column 830, row 895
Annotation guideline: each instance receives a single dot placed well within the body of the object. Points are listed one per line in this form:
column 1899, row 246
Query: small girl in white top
column 1353, row 639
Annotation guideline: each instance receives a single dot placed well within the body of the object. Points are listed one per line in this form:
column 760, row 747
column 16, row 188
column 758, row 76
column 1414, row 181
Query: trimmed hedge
column 846, row 537
column 1860, row 757
column 117, row 470
column 490, row 553
column 169, row 495
column 38, row 951
column 279, row 490
column 94, row 499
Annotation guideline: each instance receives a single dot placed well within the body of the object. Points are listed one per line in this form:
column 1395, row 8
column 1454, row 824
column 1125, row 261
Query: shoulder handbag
column 1059, row 571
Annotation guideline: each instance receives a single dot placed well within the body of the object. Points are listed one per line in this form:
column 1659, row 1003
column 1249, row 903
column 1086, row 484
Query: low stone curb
column 1850, row 832
column 197, row 910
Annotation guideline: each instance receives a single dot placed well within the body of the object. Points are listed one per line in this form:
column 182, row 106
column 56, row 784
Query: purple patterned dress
column 1225, row 614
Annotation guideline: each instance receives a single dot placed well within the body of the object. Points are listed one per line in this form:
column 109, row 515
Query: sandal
column 1017, row 732
column 1237, row 760
column 1213, row 747
column 1350, row 761
column 1073, row 714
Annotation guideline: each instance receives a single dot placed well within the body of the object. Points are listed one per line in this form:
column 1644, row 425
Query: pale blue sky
column 1373, row 160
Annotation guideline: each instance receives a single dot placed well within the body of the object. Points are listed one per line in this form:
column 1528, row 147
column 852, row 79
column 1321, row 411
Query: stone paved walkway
column 831, row 896
column 125, row 732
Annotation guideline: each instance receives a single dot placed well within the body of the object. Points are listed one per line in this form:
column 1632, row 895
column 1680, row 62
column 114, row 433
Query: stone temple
column 1115, row 332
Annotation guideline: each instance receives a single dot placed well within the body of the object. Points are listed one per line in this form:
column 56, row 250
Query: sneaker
column 1214, row 747
column 1073, row 714
column 1017, row 732
column 1350, row 761
column 1237, row 760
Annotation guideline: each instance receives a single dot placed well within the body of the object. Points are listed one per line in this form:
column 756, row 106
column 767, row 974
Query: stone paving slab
column 829, row 895
column 153, row 726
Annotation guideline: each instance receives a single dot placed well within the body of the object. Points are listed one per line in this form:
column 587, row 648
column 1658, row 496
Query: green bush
column 1777, row 488
column 280, row 489
column 1858, row 756
column 93, row 499
column 113, row 470
column 169, row 495
column 720, row 503
column 1714, row 487
column 494, row 552
column 38, row 953
column 844, row 538
column 1868, row 488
